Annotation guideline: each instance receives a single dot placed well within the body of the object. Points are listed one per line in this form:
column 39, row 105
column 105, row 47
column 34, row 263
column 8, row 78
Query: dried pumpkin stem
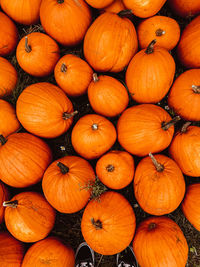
column 69, row 115
column 151, row 226
column 196, row 89
column 60, row 1
column 160, row 32
column 185, row 126
column 159, row 166
column 63, row 68
column 150, row 47
column 167, row 125
column 97, row 224
column 2, row 139
column 95, row 77
column 125, row 12
column 94, row 126
column 110, row 168
column 27, row 47
column 63, row 168
column 12, row 204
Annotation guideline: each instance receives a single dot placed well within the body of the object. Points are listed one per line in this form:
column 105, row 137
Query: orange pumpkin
column 99, row 3
column 44, row 110
column 110, row 219
column 158, row 242
column 29, row 217
column 4, row 195
column 115, row 6
column 164, row 29
column 8, row 77
column 159, row 185
column 107, row 96
column 115, row 169
column 73, row 75
column 185, row 8
column 145, row 128
column 23, row 159
column 184, row 95
column 110, row 42
column 71, row 17
column 150, row 74
column 92, row 136
column 11, row 251
column 37, row 54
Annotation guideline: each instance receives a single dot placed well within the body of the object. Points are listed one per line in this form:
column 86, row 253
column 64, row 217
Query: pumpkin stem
column 95, row 77
column 12, row 204
column 60, row 1
column 151, row 226
column 110, row 168
column 125, row 12
column 63, row 168
column 63, row 68
column 2, row 139
column 97, row 224
column 94, row 126
column 167, row 125
column 69, row 115
column 27, row 47
column 160, row 32
column 185, row 126
column 196, row 89
column 159, row 166
column 150, row 47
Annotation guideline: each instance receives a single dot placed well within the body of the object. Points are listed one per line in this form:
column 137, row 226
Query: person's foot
column 126, row 258
column 84, row 256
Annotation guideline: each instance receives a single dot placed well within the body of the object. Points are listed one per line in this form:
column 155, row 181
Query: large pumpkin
column 65, row 20
column 29, row 217
column 44, row 110
column 108, row 225
column 185, row 8
column 159, row 242
column 4, row 195
column 23, row 159
column 110, row 42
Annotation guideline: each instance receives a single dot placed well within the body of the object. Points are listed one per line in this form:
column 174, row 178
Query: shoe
column 84, row 256
column 127, row 258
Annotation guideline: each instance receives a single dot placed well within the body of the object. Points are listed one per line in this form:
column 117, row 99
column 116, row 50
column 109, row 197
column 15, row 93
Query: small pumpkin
column 29, row 217
column 4, row 195
column 185, row 8
column 115, row 6
column 99, row 3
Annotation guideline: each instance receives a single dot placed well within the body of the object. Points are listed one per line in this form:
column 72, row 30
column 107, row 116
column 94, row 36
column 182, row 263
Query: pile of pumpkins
column 126, row 112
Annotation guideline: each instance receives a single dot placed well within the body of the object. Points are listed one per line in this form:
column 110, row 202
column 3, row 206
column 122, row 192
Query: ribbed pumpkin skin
column 63, row 191
column 8, row 120
column 115, row 169
column 40, row 108
column 99, row 3
column 75, row 77
column 188, row 49
column 191, row 204
column 72, row 19
column 42, row 58
column 158, row 193
column 185, row 8
column 49, row 252
column 167, row 37
column 149, row 76
column 23, row 159
column 32, row 219
column 182, row 97
column 107, row 96
column 11, row 251
column 4, row 195
column 162, row 246
column 118, row 223
column 144, row 8
column 8, row 77
column 8, row 35
column 185, row 150
column 115, row 6
column 140, row 129
column 110, row 43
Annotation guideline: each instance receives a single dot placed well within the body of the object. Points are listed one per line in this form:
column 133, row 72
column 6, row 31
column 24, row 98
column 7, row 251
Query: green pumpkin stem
column 160, row 32
column 2, row 139
column 167, row 125
column 196, row 89
column 151, row 226
column 95, row 77
column 97, row 224
column 150, row 47
column 185, row 126
column 69, row 115
column 27, row 47
column 110, row 168
column 63, row 168
column 12, row 204
column 63, row 68
column 159, row 166
column 124, row 12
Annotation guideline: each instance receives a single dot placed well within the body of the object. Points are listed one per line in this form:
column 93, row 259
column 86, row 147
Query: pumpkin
column 107, row 96
column 8, row 77
column 65, row 20
column 29, row 217
column 164, row 29
column 44, row 110
column 150, row 74
column 115, row 169
column 185, row 8
column 73, row 75
column 11, row 250
column 99, row 3
column 92, row 136
column 145, row 128
column 8, row 35
column 191, row 204
column 51, row 252
column 159, row 242
column 159, row 184
column 184, row 96
column 115, row 6
column 4, row 195
column 23, row 159
column 110, row 219
column 144, row 8
column 64, row 181
column 8, row 120
column 188, row 50
column 185, row 150
column 37, row 54
column 110, row 42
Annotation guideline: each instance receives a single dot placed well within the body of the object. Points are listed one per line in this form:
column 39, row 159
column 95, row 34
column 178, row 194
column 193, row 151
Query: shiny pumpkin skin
column 32, row 219
column 99, row 3
column 158, row 192
column 50, row 251
column 183, row 98
column 41, row 107
column 159, row 242
column 185, row 8
column 4, row 195
column 23, row 159
column 110, row 43
column 117, row 220
column 115, row 6
column 71, row 17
